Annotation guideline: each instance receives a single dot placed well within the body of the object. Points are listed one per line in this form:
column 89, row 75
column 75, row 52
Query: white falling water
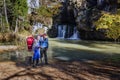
column 59, row 31
column 62, row 31
column 75, row 34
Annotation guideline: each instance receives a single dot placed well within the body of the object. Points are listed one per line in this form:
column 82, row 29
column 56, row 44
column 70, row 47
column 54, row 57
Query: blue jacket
column 44, row 43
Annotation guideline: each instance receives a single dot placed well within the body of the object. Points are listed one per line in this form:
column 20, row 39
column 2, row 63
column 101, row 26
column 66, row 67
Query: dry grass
column 40, row 31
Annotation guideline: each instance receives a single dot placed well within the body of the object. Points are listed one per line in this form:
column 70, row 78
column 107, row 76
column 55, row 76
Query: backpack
column 30, row 41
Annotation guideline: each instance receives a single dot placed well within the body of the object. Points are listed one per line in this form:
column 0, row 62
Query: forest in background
column 14, row 19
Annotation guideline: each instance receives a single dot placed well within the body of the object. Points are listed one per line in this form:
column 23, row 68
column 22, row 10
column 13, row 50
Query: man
column 44, row 46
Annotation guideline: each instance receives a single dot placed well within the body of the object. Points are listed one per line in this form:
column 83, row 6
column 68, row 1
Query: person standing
column 44, row 47
column 36, row 53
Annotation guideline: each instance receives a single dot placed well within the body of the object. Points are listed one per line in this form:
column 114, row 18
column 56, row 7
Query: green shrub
column 110, row 22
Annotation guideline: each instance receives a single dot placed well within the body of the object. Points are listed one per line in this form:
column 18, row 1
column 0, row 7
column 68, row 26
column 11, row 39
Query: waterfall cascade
column 61, row 31
column 64, row 32
column 67, row 29
column 75, row 34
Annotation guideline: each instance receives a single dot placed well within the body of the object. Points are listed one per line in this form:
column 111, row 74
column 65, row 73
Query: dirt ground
column 59, row 70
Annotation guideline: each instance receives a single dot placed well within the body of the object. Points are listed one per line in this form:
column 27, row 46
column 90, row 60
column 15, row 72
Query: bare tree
column 1, row 21
column 16, row 27
column 1, row 15
column 6, row 17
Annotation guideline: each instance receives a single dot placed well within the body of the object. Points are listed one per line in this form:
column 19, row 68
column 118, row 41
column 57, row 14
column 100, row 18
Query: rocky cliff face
column 86, row 12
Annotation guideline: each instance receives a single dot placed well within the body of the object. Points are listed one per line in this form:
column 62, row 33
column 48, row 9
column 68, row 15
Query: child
column 36, row 53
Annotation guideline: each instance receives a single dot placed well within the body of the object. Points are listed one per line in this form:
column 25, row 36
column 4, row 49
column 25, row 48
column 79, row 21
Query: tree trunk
column 16, row 27
column 6, row 17
column 1, row 21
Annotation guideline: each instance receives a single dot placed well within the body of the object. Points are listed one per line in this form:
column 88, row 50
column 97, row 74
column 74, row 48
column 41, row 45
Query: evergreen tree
column 20, row 9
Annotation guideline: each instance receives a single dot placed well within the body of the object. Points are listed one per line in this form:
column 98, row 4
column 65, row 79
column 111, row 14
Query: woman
column 36, row 52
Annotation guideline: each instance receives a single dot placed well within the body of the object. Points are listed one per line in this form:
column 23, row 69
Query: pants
column 44, row 53
column 35, row 62
column 36, row 57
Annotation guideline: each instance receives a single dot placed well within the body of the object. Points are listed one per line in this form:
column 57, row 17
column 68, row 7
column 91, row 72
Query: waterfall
column 64, row 30
column 75, row 34
column 61, row 31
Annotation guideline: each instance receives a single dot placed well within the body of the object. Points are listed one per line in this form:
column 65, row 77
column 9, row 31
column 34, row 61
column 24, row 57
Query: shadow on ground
column 74, row 70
